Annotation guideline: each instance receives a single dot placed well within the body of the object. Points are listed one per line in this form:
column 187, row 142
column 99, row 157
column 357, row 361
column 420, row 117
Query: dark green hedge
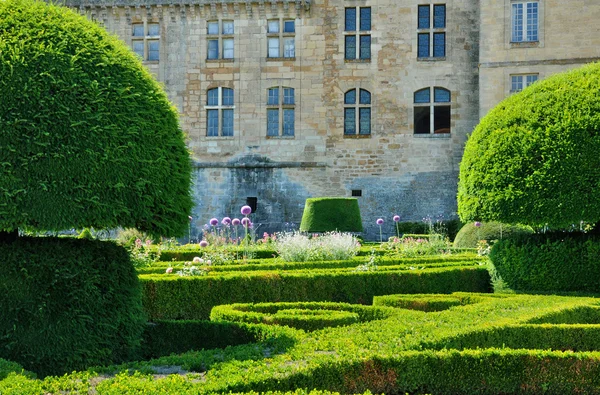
column 172, row 297
column 424, row 302
column 187, row 254
column 88, row 137
column 450, row 227
column 534, row 158
column 68, row 304
column 329, row 214
column 549, row 262
column 470, row 234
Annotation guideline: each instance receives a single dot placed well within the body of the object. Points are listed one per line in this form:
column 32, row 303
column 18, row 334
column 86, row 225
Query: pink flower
column 138, row 243
column 204, row 243
column 148, row 242
column 209, row 262
column 246, row 210
column 235, row 222
column 169, row 270
column 197, row 259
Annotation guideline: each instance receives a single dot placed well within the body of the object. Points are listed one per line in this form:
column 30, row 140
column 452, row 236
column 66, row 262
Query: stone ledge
column 134, row 3
column 257, row 165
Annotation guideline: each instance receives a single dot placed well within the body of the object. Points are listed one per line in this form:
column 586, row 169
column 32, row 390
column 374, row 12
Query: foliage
column 470, row 235
column 128, row 237
column 410, row 247
column 298, row 247
column 86, row 234
column 219, row 255
column 142, row 254
column 88, row 138
column 549, row 262
column 534, row 158
column 328, row 214
column 450, row 227
column 67, row 304
column 371, row 264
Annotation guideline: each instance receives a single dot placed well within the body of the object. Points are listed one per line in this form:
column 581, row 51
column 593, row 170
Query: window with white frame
column 432, row 116
column 524, row 21
column 518, row 82
column 357, row 112
column 357, row 33
column 145, row 40
column 431, row 34
column 219, row 112
column 219, row 40
column 281, row 38
column 281, row 111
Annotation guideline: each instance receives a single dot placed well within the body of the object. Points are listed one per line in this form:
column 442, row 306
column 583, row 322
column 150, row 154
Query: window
column 431, row 36
column 281, row 38
column 146, row 40
column 524, row 21
column 432, row 116
column 357, row 33
column 521, row 81
column 219, row 112
column 280, row 111
column 357, row 111
column 219, row 40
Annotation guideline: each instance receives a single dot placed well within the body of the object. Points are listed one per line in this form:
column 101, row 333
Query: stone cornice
column 143, row 3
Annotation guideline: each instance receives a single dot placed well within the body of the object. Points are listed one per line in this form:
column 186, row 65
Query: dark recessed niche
column 356, row 192
column 252, row 202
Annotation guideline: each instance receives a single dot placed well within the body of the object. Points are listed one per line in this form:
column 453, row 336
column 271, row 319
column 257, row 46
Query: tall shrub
column 328, row 214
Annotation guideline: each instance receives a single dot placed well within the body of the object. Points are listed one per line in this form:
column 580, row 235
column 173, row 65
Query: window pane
column 350, row 19
column 365, row 97
column 289, row 26
column 153, row 29
column 517, row 22
column 423, row 45
column 289, row 48
column 227, row 97
column 288, row 122
column 349, row 121
column 273, row 47
column 272, row 122
column 153, row 50
column 227, row 123
column 439, row 16
column 138, row 30
column 212, row 122
column 532, row 21
column 441, row 119
column 516, row 83
column 365, row 121
column 273, row 26
column 531, row 79
column 421, row 120
column 350, row 47
column 213, row 97
column 350, row 97
column 288, row 96
column 138, row 48
column 424, row 17
column 228, row 48
column 213, row 27
column 213, row 49
column 227, row 27
column 365, row 18
column 273, row 97
column 365, row 47
column 441, row 95
column 439, row 45
column 422, row 96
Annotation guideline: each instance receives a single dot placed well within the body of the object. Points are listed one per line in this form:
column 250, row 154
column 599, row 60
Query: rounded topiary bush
column 328, row 214
column 88, row 137
column 469, row 235
column 67, row 304
column 534, row 158
column 426, row 302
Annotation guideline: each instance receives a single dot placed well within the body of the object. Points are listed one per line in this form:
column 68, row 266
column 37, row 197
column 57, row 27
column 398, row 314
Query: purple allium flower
column 396, row 218
column 204, row 243
column 235, row 222
column 379, row 221
column 246, row 210
column 226, row 221
column 250, row 224
column 214, row 221
column 169, row 270
column 477, row 224
column 246, row 221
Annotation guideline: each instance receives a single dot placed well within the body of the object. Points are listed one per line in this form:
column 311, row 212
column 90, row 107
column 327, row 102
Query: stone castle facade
column 288, row 99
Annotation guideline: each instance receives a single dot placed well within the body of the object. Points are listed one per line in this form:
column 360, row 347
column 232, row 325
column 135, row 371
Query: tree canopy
column 87, row 136
column 534, row 159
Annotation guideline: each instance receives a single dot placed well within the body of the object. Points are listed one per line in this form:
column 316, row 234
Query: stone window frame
column 526, row 80
column 432, row 31
column 540, row 43
column 358, row 34
column 358, row 105
column 221, row 109
column 281, row 105
column 283, row 35
column 432, row 105
column 220, row 37
column 146, row 39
